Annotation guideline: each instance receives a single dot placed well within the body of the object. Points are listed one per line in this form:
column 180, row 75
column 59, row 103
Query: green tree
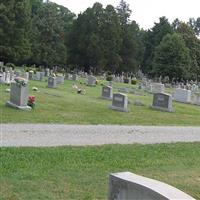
column 15, row 21
column 172, row 57
column 152, row 40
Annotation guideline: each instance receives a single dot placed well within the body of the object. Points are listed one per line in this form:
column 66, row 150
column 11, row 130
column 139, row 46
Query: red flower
column 32, row 99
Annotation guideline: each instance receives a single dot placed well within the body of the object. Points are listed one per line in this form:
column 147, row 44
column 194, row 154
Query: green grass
column 71, row 108
column 82, row 172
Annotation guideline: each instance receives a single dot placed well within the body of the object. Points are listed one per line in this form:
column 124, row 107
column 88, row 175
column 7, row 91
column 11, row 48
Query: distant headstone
column 60, row 79
column 52, row 82
column 107, row 92
column 196, row 99
column 157, row 88
column 91, row 81
column 162, row 101
column 31, row 75
column 129, row 186
column 18, row 96
column 120, row 102
column 47, row 72
column 74, row 77
column 182, row 95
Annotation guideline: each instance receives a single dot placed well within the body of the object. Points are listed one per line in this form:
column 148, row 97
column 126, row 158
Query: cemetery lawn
column 82, row 172
column 64, row 106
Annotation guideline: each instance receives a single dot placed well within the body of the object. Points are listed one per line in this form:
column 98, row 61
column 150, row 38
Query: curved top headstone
column 126, row 185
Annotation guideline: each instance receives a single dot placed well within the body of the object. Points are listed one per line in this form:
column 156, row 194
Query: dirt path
column 40, row 135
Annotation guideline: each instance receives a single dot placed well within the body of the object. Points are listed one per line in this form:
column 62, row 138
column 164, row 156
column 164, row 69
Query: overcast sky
column 144, row 12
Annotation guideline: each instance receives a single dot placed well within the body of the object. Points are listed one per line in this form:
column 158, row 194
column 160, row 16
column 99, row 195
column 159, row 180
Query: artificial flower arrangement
column 21, row 81
column 31, row 101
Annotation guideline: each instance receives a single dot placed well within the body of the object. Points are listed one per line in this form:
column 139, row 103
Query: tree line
column 99, row 39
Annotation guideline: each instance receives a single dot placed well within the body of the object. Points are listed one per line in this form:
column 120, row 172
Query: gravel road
column 44, row 135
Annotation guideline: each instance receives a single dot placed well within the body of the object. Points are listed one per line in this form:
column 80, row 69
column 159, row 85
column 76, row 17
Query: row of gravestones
column 161, row 101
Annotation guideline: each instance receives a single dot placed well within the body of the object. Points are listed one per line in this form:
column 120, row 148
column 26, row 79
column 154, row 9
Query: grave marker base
column 119, row 109
column 10, row 104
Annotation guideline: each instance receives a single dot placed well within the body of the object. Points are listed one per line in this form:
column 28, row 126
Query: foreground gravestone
column 91, row 81
column 162, row 101
column 182, row 95
column 107, row 92
column 52, row 82
column 120, row 102
column 18, row 96
column 129, row 186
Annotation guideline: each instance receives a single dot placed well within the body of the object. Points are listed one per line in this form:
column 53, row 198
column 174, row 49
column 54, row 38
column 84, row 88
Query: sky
column 144, row 12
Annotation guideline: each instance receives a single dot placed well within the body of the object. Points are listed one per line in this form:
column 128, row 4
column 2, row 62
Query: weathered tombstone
column 107, row 92
column 196, row 98
column 162, row 101
column 37, row 76
column 120, row 102
column 47, row 72
column 31, row 75
column 18, row 96
column 91, row 81
column 157, row 88
column 42, row 76
column 182, row 95
column 74, row 77
column 52, row 82
column 60, row 79
column 129, row 186
column 7, row 77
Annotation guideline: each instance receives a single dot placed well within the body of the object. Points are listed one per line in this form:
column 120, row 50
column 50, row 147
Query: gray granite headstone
column 162, row 101
column 60, row 79
column 120, row 102
column 91, row 81
column 18, row 96
column 182, row 95
column 107, row 92
column 129, row 186
column 52, row 82
column 74, row 77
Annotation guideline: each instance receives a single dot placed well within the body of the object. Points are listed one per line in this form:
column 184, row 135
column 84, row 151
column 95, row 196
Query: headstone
column 52, row 82
column 162, row 101
column 196, row 98
column 91, row 81
column 7, row 78
column 157, row 88
column 31, row 75
column 74, row 77
column 60, row 79
column 120, row 102
column 107, row 92
column 18, row 96
column 129, row 186
column 37, row 76
column 47, row 72
column 182, row 95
